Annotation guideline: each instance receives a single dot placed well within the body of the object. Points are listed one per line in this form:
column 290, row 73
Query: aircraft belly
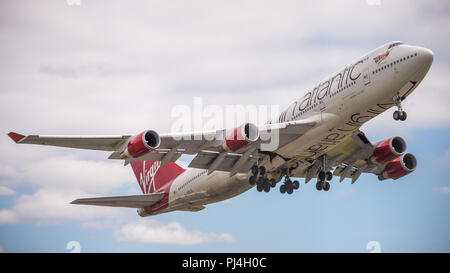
column 223, row 185
column 215, row 187
column 231, row 187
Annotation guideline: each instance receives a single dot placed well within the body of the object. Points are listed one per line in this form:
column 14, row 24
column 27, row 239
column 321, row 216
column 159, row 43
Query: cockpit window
column 394, row 44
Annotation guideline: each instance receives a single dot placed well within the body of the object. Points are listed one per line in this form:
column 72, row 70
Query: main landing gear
column 261, row 181
column 289, row 186
column 399, row 114
column 322, row 180
column 323, row 176
column 259, row 177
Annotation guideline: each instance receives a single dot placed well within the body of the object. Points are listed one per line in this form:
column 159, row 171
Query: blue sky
column 110, row 67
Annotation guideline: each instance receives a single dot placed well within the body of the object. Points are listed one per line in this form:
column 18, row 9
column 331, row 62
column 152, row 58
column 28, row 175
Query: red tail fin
column 152, row 177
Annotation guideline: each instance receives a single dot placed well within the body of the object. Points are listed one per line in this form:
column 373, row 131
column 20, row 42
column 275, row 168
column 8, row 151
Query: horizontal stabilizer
column 130, row 201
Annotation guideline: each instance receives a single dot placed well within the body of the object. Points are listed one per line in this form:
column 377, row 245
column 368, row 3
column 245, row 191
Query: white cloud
column 52, row 207
column 7, row 217
column 445, row 190
column 60, row 180
column 2, row 250
column 9, row 176
column 151, row 231
column 182, row 50
column 99, row 224
column 8, row 171
column 82, row 175
column 6, row 191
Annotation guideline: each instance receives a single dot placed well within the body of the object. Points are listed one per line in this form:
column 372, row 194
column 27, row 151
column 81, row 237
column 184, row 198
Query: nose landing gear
column 399, row 114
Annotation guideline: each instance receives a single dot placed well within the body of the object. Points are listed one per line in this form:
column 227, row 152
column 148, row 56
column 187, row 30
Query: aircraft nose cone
column 426, row 57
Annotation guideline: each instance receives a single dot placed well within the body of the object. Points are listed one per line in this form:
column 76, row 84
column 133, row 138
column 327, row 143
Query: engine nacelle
column 142, row 143
column 399, row 167
column 240, row 137
column 388, row 150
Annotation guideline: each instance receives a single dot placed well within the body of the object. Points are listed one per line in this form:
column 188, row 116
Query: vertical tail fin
column 152, row 177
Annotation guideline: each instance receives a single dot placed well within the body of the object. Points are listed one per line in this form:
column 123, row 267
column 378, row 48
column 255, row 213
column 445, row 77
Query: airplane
column 318, row 136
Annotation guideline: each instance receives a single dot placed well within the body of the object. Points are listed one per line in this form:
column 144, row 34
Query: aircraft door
column 366, row 76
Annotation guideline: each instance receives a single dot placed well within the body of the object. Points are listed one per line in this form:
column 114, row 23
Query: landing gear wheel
column 265, row 184
column 260, row 181
column 295, row 185
column 321, row 176
column 272, row 183
column 283, row 189
column 399, row 114
column 319, row 185
column 255, row 170
column 326, row 186
column 290, row 190
column 396, row 115
column 259, row 188
column 288, row 183
column 252, row 180
column 329, row 176
column 262, row 170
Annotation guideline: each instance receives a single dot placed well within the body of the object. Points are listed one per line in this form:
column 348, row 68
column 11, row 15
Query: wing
column 352, row 157
column 357, row 155
column 208, row 145
column 349, row 159
column 102, row 143
column 130, row 201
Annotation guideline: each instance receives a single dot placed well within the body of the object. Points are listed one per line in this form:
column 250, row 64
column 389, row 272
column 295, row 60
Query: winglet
column 16, row 137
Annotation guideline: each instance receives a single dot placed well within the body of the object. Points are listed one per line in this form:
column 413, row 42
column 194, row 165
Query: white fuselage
column 341, row 104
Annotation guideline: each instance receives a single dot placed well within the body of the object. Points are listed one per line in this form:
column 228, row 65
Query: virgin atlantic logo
column 147, row 177
column 380, row 58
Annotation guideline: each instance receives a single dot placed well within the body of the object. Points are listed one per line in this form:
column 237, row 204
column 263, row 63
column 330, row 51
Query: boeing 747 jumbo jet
column 317, row 136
